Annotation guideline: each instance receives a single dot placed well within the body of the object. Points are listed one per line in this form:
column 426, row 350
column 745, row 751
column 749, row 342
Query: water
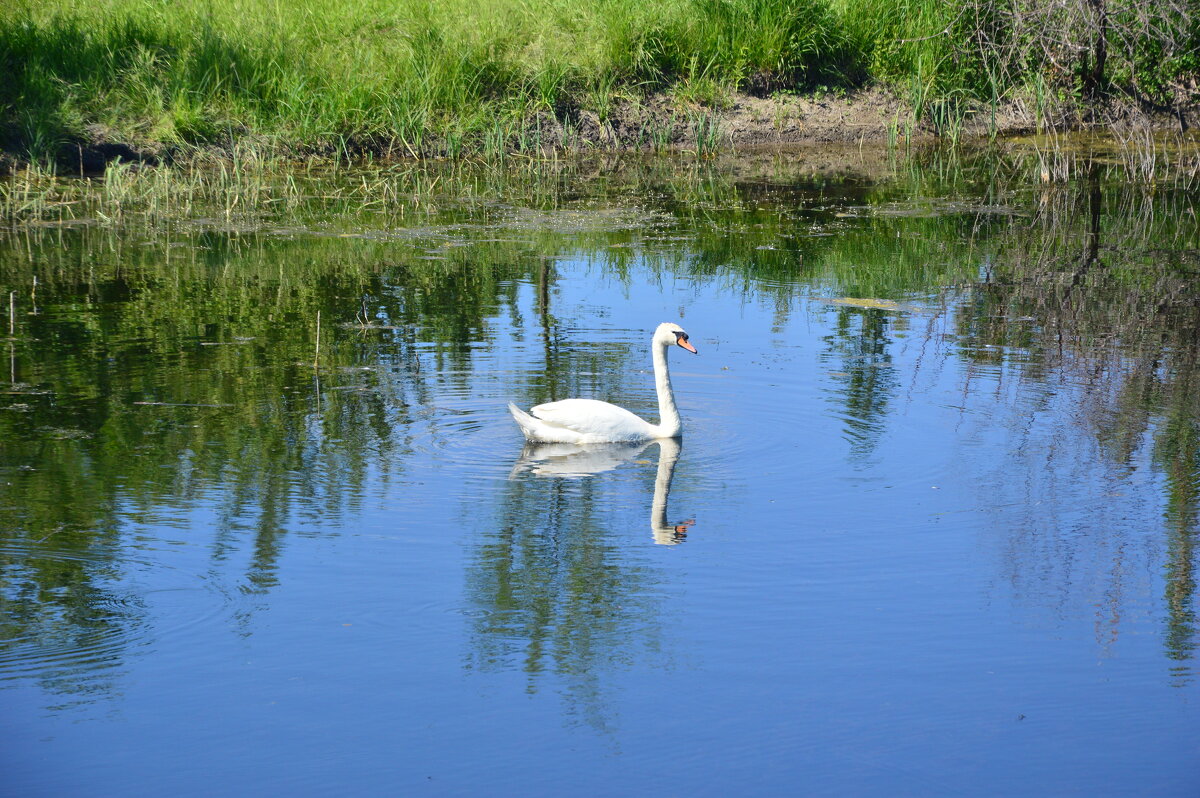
column 930, row 529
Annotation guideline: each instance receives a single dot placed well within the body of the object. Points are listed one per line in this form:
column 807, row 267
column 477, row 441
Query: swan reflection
column 569, row 460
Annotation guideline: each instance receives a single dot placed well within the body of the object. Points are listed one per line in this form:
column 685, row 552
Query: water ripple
column 98, row 616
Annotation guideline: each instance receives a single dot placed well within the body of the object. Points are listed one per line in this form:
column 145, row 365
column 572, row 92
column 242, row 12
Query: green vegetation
column 455, row 77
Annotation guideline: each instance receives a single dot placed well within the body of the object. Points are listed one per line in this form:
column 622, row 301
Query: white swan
column 593, row 421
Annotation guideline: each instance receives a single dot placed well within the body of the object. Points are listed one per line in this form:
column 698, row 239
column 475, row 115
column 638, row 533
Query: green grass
column 387, row 76
column 455, row 77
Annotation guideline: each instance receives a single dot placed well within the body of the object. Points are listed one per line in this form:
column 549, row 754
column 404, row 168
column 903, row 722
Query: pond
column 267, row 525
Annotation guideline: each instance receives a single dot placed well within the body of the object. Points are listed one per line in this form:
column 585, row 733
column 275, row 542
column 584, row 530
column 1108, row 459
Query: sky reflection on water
column 938, row 545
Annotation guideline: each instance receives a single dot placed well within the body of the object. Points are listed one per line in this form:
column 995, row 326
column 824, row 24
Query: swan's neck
column 668, row 415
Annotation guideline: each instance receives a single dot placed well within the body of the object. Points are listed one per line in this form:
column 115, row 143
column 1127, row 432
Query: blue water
column 898, row 559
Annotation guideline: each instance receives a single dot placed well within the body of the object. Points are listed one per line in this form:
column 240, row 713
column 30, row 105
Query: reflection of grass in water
column 251, row 192
column 115, row 319
column 120, row 312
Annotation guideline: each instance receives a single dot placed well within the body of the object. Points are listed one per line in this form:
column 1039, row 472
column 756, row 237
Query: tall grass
column 419, row 77
column 383, row 75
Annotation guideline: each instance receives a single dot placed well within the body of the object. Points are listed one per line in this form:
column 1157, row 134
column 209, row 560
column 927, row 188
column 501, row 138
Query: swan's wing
column 593, row 418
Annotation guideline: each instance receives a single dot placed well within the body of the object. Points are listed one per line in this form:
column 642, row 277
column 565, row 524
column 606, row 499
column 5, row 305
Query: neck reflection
column 571, row 461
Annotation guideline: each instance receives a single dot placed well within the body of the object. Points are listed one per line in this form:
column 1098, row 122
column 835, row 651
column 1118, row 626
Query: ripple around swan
column 774, row 421
column 723, row 416
column 472, row 437
column 131, row 604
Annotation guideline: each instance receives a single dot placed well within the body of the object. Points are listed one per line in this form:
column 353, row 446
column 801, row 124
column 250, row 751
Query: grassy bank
column 450, row 77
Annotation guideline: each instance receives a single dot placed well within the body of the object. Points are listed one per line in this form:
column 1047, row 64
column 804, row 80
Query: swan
column 593, row 421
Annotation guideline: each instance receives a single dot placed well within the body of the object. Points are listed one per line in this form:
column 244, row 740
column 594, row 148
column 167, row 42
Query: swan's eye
column 680, row 335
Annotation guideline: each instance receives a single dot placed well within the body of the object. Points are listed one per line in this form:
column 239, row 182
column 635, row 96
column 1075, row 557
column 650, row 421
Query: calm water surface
column 930, row 529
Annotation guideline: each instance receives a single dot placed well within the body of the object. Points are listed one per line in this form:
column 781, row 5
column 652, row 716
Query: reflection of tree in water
column 60, row 610
column 859, row 349
column 556, row 593
column 1177, row 453
column 221, row 331
column 553, row 591
column 183, row 378
column 1078, row 295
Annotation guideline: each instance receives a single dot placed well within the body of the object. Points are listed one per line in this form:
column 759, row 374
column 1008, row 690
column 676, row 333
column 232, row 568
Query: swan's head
column 669, row 333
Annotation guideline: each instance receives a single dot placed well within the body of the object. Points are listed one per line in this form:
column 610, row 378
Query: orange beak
column 687, row 346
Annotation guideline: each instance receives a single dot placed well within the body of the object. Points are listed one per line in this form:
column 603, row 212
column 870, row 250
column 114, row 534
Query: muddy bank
column 873, row 116
column 753, row 122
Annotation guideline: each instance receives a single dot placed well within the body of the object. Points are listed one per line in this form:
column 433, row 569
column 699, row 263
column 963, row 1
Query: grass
column 389, row 76
column 456, row 77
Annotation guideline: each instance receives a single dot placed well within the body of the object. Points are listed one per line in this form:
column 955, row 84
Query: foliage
column 454, row 76
column 989, row 49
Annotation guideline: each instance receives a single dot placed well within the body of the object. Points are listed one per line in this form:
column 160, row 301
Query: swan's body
column 593, row 421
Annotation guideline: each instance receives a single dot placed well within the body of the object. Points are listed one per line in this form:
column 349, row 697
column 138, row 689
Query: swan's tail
column 539, row 431
column 526, row 422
